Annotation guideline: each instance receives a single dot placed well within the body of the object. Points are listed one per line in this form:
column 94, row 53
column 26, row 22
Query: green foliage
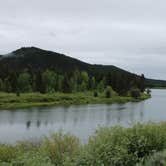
column 116, row 146
column 135, row 93
column 66, row 85
column 158, row 159
column 108, row 92
column 50, row 80
column 60, row 147
column 24, row 82
column 93, row 83
column 101, row 86
column 7, row 153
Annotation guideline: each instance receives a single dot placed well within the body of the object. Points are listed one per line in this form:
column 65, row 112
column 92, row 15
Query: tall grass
column 116, row 146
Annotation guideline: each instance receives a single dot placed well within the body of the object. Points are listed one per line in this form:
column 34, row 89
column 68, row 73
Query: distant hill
column 155, row 83
column 37, row 59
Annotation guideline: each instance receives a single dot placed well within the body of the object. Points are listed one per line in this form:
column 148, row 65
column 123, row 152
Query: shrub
column 135, row 93
column 108, row 92
column 148, row 91
column 7, row 153
column 60, row 147
column 118, row 146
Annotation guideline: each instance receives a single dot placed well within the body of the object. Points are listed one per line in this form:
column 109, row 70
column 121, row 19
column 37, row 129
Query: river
column 81, row 121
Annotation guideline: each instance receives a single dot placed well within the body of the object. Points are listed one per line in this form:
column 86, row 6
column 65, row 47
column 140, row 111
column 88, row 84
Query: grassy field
column 12, row 101
column 140, row 145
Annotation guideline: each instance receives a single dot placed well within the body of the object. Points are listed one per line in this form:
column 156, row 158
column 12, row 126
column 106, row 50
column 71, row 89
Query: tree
column 108, row 92
column 84, row 80
column 66, row 88
column 39, row 83
column 1, row 85
column 50, row 80
column 101, row 86
column 83, row 86
column 60, row 80
column 24, row 84
column 92, row 83
column 7, row 85
column 142, row 84
column 13, row 81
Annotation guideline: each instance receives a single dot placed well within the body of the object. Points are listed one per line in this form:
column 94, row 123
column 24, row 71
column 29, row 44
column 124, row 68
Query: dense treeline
column 49, row 81
column 35, row 70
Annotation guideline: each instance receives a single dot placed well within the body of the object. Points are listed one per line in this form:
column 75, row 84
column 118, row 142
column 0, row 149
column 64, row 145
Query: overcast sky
column 130, row 34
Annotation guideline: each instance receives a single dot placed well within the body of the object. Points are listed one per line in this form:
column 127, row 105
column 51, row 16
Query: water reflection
column 81, row 121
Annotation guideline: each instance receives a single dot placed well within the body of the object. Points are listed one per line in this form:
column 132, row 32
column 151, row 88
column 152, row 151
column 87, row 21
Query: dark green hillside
column 30, row 69
column 35, row 58
column 155, row 83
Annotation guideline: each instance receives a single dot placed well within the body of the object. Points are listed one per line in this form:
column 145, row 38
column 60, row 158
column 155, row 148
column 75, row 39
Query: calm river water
column 82, row 120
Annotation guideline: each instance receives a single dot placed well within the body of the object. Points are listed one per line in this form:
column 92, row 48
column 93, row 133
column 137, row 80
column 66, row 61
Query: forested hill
column 38, row 59
column 35, row 69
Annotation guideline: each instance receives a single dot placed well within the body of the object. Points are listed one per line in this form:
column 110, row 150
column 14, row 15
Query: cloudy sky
column 128, row 33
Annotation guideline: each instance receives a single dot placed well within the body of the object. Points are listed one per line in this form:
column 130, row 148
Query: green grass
column 11, row 101
column 117, row 146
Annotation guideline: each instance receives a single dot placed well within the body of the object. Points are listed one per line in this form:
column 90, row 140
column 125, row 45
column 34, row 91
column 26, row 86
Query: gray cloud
column 130, row 33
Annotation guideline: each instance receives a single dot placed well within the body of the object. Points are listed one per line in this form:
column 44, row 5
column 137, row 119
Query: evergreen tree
column 66, row 88
column 1, row 85
column 39, row 83
column 142, row 84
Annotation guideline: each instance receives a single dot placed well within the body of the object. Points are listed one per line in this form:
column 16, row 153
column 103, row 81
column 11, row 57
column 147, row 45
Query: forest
column 35, row 70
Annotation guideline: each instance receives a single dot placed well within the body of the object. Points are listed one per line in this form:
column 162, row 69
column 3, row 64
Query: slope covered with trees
column 35, row 70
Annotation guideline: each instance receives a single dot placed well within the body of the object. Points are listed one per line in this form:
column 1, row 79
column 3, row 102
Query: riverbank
column 108, row 146
column 26, row 100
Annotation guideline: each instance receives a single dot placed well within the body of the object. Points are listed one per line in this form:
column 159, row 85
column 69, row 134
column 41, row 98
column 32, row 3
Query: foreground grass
column 158, row 159
column 11, row 101
column 115, row 146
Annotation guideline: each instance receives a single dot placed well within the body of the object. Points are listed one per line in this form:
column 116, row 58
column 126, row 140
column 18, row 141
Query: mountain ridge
column 40, row 59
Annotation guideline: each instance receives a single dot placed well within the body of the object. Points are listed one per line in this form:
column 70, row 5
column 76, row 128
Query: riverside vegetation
column 50, row 88
column 141, row 145
column 35, row 77
column 24, row 100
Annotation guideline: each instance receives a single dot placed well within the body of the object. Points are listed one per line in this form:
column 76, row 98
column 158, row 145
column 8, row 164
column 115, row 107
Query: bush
column 148, row 91
column 118, row 146
column 108, row 92
column 60, row 147
column 7, row 153
column 135, row 93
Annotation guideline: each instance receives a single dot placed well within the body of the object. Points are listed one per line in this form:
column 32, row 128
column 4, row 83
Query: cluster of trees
column 50, row 81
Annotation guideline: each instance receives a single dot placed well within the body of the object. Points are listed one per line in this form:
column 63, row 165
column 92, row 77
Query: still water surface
column 82, row 120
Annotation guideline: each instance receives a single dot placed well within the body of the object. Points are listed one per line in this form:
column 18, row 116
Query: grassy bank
column 12, row 101
column 115, row 146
